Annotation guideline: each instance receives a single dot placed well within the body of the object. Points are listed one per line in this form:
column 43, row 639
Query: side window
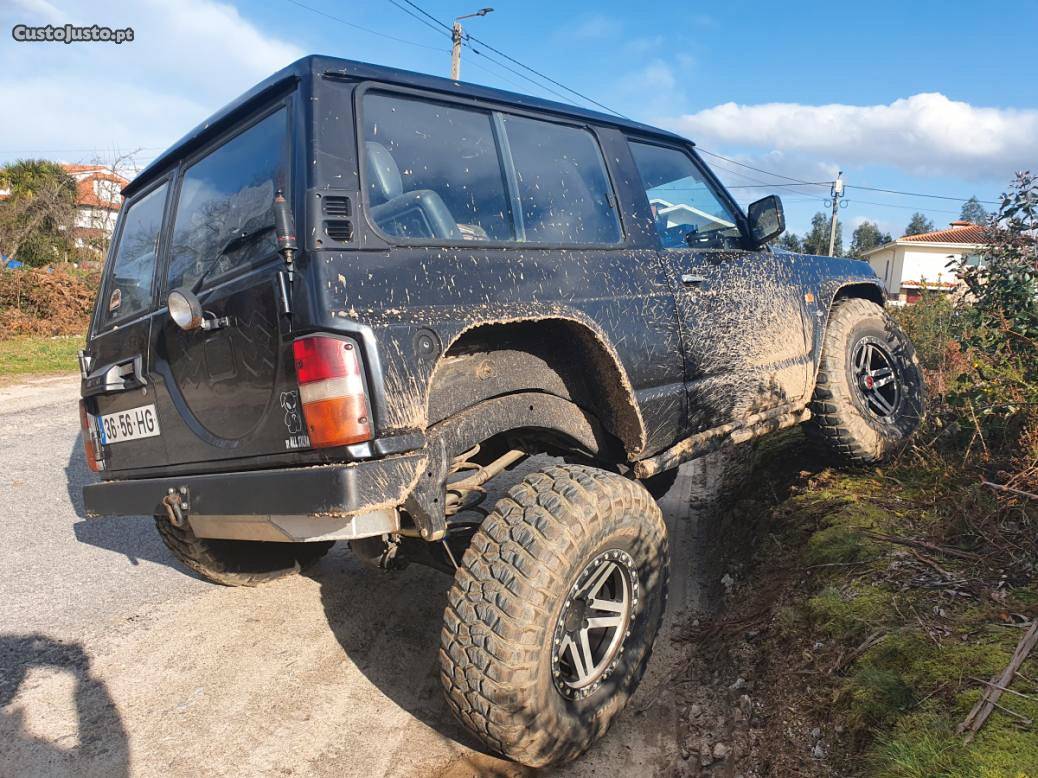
column 686, row 210
column 132, row 272
column 563, row 188
column 433, row 171
column 224, row 217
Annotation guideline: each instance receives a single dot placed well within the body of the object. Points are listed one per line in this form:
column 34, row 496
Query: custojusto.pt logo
column 70, row 33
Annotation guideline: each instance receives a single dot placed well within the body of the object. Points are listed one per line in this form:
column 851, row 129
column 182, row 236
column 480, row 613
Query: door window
column 225, row 217
column 562, row 183
column 686, row 210
column 132, row 272
column 433, row 171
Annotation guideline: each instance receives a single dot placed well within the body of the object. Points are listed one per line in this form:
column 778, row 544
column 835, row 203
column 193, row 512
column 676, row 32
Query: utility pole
column 457, row 36
column 836, row 193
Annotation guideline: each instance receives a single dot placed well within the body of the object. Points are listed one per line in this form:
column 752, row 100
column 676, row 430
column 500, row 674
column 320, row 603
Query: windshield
column 225, row 214
column 687, row 212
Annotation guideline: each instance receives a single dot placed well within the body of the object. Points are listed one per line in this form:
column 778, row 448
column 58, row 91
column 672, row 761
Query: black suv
column 344, row 303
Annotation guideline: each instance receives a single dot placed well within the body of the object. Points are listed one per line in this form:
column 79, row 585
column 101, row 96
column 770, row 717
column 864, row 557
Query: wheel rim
column 594, row 622
column 875, row 378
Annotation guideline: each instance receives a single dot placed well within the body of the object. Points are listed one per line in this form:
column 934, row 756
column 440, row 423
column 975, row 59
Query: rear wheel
column 238, row 562
column 553, row 612
column 870, row 396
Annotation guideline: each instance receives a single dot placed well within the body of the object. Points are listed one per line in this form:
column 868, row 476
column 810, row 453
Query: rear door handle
column 690, row 279
column 123, row 375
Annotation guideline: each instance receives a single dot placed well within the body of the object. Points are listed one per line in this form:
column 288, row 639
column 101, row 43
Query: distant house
column 98, row 199
column 914, row 262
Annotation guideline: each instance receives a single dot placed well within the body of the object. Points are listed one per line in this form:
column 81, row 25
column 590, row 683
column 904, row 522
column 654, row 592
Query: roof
column 318, row 65
column 959, row 232
column 85, row 176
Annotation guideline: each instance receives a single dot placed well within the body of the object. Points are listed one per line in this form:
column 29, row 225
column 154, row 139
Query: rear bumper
column 300, row 503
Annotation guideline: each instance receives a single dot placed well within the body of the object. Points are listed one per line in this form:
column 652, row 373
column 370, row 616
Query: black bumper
column 338, row 489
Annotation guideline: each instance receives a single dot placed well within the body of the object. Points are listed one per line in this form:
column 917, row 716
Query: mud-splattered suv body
column 670, row 343
column 348, row 299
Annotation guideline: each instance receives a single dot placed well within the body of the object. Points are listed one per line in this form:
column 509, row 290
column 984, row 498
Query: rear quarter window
column 433, row 170
column 131, row 275
column 224, row 217
column 562, row 182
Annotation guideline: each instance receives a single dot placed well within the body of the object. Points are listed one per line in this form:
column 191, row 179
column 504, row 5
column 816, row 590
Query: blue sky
column 935, row 97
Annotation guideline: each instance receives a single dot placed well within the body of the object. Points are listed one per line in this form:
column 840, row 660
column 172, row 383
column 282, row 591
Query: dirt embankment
column 858, row 625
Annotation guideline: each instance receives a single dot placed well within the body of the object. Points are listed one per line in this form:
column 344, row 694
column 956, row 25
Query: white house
column 913, row 262
column 98, row 199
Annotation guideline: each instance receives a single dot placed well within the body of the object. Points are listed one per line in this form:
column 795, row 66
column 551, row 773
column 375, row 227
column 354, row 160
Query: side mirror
column 767, row 219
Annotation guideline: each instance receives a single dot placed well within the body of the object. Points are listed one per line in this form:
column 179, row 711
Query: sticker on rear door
column 134, row 424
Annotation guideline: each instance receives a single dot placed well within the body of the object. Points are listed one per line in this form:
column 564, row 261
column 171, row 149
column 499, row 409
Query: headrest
column 383, row 175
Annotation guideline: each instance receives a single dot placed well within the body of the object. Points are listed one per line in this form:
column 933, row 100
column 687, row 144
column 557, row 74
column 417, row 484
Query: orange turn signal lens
column 90, row 450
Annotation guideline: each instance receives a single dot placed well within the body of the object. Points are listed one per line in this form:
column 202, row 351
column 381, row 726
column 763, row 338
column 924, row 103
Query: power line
column 761, row 170
column 474, row 50
column 513, row 60
column 413, row 15
column 919, row 194
column 355, row 26
column 853, row 201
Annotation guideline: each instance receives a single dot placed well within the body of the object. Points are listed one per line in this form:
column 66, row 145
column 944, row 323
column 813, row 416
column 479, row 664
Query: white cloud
column 925, row 134
column 596, row 27
column 187, row 59
column 654, row 88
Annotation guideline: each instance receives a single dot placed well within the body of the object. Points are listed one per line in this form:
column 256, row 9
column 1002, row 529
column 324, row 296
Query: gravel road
column 115, row 661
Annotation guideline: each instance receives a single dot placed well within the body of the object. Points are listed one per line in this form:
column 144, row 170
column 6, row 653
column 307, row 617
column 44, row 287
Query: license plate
column 134, row 424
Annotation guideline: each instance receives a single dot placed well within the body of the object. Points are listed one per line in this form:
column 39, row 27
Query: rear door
column 228, row 392
column 117, row 385
column 746, row 345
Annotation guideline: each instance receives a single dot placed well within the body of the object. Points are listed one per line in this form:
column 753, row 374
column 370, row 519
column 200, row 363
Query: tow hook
column 177, row 506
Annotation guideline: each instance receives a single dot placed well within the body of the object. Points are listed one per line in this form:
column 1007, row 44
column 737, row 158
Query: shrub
column 55, row 300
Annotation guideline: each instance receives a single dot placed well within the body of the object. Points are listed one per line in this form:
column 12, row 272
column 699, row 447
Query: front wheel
column 551, row 619
column 870, row 395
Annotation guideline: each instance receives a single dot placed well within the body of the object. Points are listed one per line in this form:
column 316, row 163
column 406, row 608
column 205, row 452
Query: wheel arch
column 556, row 355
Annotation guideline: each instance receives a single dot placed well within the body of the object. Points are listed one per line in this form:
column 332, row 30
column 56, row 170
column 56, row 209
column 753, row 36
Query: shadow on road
column 97, row 743
column 132, row 536
column 395, row 645
column 388, row 623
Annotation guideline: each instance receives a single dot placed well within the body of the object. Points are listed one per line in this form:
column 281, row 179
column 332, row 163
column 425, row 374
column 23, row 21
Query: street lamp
column 456, row 37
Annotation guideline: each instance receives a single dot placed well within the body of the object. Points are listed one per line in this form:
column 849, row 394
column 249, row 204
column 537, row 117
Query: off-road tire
column 496, row 647
column 238, row 562
column 841, row 419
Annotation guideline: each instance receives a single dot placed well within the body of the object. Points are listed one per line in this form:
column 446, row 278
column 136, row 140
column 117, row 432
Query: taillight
column 331, row 390
column 90, row 444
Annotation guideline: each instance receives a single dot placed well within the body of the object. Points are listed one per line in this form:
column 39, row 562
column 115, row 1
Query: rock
column 745, row 704
column 706, row 756
column 720, row 750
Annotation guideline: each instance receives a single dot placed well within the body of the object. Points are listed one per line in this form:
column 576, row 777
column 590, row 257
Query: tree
column 790, row 241
column 37, row 217
column 867, row 236
column 816, row 241
column 973, row 211
column 918, row 224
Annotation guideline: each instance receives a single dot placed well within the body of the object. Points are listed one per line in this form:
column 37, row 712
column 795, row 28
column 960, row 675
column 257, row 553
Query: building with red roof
column 913, row 263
